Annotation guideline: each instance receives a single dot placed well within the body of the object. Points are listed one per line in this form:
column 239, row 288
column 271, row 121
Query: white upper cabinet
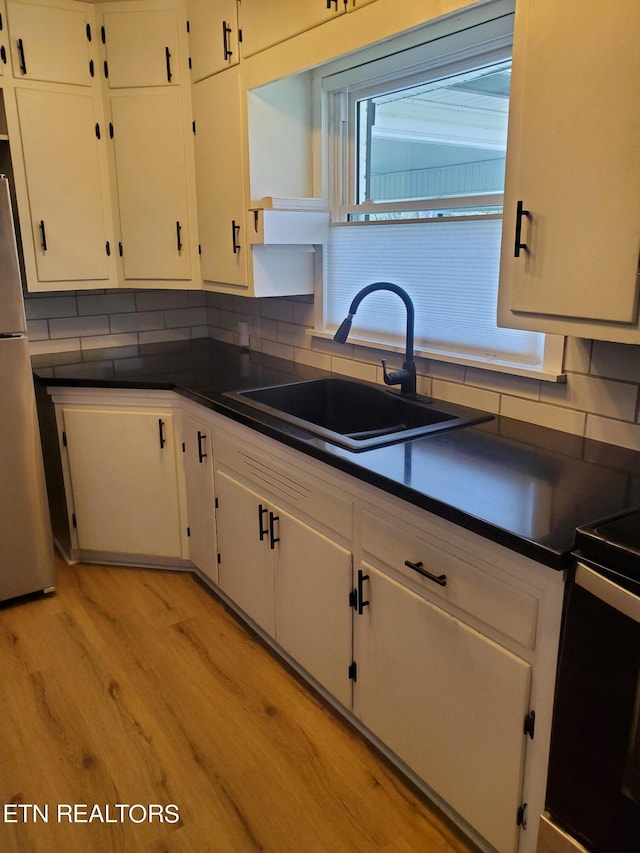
column 213, row 36
column 152, row 174
column 265, row 24
column 571, row 235
column 142, row 48
column 51, row 43
column 63, row 146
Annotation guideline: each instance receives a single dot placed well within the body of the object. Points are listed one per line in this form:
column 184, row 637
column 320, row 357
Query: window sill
column 544, row 374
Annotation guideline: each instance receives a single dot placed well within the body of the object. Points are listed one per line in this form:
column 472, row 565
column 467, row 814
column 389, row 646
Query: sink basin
column 355, row 414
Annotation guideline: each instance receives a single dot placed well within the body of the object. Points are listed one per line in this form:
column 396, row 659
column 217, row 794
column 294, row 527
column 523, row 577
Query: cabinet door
column 265, row 24
column 313, row 579
column 51, row 43
column 574, row 137
column 198, row 463
column 220, row 178
column 246, row 560
column 124, row 481
column 213, row 36
column 63, row 162
column 142, row 48
column 448, row 701
column 149, row 140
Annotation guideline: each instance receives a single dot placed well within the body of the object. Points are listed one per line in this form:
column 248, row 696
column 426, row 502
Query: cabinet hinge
column 530, row 724
column 110, row 130
column 193, row 127
column 88, row 31
column 97, row 130
column 103, row 35
column 184, row 447
column 353, row 598
column 107, row 248
column 216, row 504
column 219, row 559
column 106, row 68
column 120, row 250
column 188, row 531
column 1, row 24
column 64, row 439
column 92, row 72
column 353, row 671
column 240, row 36
column 73, row 520
column 199, row 249
column 188, row 26
column 189, row 63
column 522, row 815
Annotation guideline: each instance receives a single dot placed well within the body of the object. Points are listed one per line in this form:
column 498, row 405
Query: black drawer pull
column 23, row 64
column 441, row 580
column 179, row 235
column 163, row 440
column 235, row 230
column 227, row 53
column 43, row 236
column 167, row 58
column 272, row 531
column 519, row 245
column 262, row 510
column 201, row 439
column 362, row 603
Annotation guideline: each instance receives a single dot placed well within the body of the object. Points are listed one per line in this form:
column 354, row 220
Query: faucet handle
column 393, row 378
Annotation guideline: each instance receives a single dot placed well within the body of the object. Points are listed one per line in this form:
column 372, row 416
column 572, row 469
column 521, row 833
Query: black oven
column 593, row 787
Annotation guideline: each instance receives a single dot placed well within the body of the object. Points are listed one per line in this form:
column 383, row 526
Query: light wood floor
column 137, row 687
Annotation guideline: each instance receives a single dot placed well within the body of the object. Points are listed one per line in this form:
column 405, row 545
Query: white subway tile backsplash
column 591, row 394
column 466, row 395
column 543, row 414
column 613, row 432
column 68, row 327
column 600, row 399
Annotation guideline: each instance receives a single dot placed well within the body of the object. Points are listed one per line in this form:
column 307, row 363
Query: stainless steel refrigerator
column 26, row 545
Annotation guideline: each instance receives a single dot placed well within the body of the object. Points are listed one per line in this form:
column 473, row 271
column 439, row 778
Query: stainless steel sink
column 355, row 414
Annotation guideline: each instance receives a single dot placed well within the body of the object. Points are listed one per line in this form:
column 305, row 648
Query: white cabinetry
column 142, row 47
column 51, row 43
column 213, row 36
column 265, row 24
column 281, row 561
column 197, row 448
column 63, row 145
column 572, row 163
column 125, row 490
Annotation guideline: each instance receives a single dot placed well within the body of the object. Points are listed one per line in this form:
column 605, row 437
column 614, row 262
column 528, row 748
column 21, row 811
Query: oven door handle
column 615, row 596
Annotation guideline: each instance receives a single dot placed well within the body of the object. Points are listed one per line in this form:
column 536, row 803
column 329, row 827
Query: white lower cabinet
column 197, row 447
column 290, row 579
column 448, row 701
column 123, row 481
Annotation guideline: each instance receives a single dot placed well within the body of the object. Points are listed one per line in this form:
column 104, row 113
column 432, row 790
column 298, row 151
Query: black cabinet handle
column 226, row 32
column 161, row 433
column 43, row 236
column 519, row 245
column 201, row 439
column 23, row 64
column 3, row 54
column 362, row 603
column 333, row 3
column 179, row 235
column 272, row 530
column 262, row 510
column 441, row 580
column 167, row 59
column 235, row 230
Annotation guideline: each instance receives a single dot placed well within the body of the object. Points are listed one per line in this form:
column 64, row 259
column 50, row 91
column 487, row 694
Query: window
column 415, row 156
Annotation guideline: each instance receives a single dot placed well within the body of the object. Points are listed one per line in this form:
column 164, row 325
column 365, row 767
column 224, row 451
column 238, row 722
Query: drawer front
column 282, row 480
column 471, row 587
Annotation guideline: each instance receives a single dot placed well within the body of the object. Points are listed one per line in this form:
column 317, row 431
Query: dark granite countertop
column 522, row 486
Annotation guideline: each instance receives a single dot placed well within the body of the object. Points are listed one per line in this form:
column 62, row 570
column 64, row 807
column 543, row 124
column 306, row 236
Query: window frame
column 338, row 87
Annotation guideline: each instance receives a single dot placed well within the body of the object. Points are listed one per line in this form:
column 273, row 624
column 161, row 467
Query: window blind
column 450, row 270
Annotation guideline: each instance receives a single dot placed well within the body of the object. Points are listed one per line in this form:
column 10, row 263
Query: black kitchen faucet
column 406, row 376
